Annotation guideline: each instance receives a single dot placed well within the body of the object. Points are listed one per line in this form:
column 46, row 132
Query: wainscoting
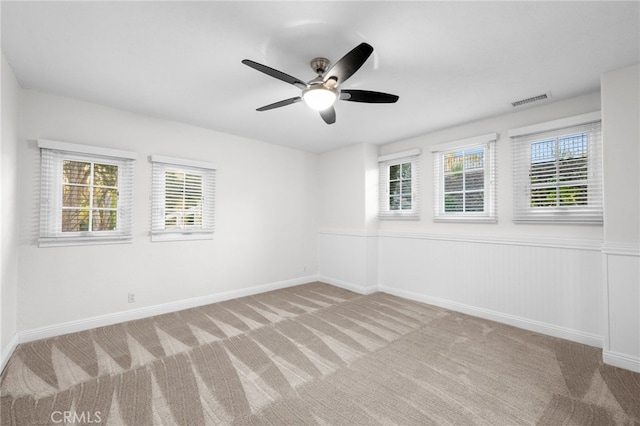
column 547, row 285
column 621, row 272
column 349, row 259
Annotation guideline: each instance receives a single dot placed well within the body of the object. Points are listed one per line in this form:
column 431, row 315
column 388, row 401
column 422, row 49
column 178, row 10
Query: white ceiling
column 450, row 62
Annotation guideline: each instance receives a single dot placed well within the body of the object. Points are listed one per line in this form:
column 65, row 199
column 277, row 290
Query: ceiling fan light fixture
column 319, row 97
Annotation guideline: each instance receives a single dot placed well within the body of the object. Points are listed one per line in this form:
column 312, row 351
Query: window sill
column 466, row 219
column 399, row 217
column 181, row 236
column 83, row 241
column 558, row 221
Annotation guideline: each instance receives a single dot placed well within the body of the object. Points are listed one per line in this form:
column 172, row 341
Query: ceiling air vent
column 532, row 99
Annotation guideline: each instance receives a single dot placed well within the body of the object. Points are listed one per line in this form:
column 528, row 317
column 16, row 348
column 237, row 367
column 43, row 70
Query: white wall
column 347, row 244
column 266, row 220
column 500, row 125
column 545, row 278
column 8, row 213
column 621, row 249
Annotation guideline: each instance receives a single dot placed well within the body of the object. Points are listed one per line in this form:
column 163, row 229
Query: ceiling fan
column 321, row 93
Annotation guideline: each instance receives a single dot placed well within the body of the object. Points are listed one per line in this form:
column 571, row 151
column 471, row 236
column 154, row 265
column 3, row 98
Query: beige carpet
column 314, row 354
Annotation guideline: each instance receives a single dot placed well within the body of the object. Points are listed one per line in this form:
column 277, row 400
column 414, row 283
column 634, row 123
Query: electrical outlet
column 131, row 297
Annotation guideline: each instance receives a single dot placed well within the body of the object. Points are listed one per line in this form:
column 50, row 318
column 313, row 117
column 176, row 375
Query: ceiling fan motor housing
column 320, row 65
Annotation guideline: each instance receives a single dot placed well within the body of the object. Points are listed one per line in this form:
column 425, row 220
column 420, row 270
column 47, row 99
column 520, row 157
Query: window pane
column 406, row 187
column 453, row 203
column 75, row 220
column 474, row 180
column 75, row 196
column 474, row 202
column 573, row 169
column 543, row 197
column 191, row 202
column 574, row 146
column 394, row 203
column 406, row 202
column 474, row 159
column 105, row 198
column 394, row 188
column 453, row 183
column 193, row 181
column 394, row 172
column 543, row 172
column 543, row 151
column 76, row 172
column 453, row 162
column 104, row 220
column 105, row 175
column 183, row 199
column 573, row 195
column 406, row 171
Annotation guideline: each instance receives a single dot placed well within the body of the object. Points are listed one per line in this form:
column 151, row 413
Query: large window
column 183, row 199
column 399, row 185
column 86, row 194
column 464, row 180
column 558, row 171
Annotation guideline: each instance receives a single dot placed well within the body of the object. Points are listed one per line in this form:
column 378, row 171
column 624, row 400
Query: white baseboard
column 524, row 323
column 621, row 360
column 8, row 351
column 348, row 286
column 148, row 311
column 612, row 358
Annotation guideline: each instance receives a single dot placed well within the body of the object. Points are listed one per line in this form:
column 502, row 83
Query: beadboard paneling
column 546, row 285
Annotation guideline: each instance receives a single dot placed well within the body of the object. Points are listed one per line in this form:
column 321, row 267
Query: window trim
column 593, row 212
column 488, row 143
column 160, row 164
column 53, row 154
column 384, row 164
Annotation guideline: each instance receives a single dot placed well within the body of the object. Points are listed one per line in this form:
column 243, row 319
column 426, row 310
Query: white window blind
column 86, row 194
column 465, row 180
column 558, row 171
column 183, row 204
column 399, row 177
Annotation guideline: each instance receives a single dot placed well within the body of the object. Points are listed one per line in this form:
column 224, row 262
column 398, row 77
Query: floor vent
column 532, row 99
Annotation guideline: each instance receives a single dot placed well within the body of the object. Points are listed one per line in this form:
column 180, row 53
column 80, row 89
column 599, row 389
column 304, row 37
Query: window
column 464, row 180
column 183, row 199
column 399, row 185
column 86, row 194
column 558, row 171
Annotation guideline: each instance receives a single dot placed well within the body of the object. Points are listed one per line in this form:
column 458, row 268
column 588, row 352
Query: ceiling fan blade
column 328, row 115
column 280, row 103
column 275, row 73
column 367, row 96
column 349, row 63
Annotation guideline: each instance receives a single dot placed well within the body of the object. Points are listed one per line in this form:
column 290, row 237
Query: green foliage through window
column 89, row 196
column 463, row 181
column 400, row 192
column 559, row 171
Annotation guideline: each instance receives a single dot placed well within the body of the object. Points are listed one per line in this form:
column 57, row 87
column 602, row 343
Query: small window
column 558, row 171
column 86, row 194
column 183, row 199
column 399, row 181
column 464, row 180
